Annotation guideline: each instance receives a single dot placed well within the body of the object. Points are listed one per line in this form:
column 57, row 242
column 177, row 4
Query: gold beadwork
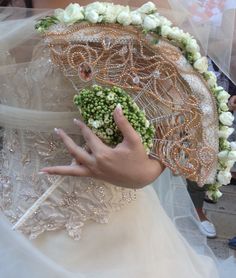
column 155, row 78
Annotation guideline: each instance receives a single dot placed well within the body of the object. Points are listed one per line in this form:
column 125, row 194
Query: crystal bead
column 136, row 80
column 123, row 50
column 156, row 74
column 106, row 43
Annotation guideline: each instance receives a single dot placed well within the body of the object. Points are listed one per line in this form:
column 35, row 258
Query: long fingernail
column 119, row 109
column 77, row 122
column 42, row 173
column 56, row 130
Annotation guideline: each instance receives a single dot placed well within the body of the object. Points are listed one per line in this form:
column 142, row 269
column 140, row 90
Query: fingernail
column 42, row 173
column 119, row 109
column 56, row 130
column 77, row 122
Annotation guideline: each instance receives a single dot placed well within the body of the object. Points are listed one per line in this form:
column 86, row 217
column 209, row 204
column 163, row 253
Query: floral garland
column 148, row 18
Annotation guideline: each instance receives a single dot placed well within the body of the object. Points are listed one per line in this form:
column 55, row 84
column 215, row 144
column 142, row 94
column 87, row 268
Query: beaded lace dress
column 121, row 232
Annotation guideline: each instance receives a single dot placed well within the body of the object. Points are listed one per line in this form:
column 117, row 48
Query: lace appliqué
column 75, row 202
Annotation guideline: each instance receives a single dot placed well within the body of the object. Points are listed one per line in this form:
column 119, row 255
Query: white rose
column 224, row 107
column 70, row 15
column 176, row 33
column 165, row 31
column 233, row 144
column 196, row 56
column 214, row 194
column 201, row 64
column 98, row 7
column 225, row 132
column 165, row 21
column 226, row 118
column 124, row 18
column 192, row 46
column 147, row 8
column 211, row 78
column 223, row 96
column 218, row 194
column 59, row 14
column 224, row 177
column 223, row 155
column 150, row 22
column 92, row 16
column 232, row 155
column 112, row 11
column 136, row 18
column 229, row 164
column 186, row 38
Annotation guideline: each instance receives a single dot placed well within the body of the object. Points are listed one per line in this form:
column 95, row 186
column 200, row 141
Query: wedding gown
column 86, row 228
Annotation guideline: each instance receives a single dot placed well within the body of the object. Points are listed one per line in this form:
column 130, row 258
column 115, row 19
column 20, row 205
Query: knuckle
column 103, row 156
column 136, row 139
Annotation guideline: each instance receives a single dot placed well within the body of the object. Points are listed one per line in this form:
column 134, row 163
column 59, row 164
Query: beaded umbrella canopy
column 154, row 71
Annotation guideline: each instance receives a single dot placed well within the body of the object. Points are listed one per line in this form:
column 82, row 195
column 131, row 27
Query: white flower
column 201, row 64
column 99, row 93
column 223, row 96
column 232, row 155
column 223, row 155
column 112, row 11
column 147, row 123
column 211, row 78
column 192, row 46
column 214, row 194
column 164, row 21
column 176, row 33
column 96, row 124
column 124, row 18
column 70, row 15
column 224, row 177
column 111, row 96
column 229, row 164
column 225, row 132
column 165, row 31
column 147, row 8
column 226, row 118
column 150, row 22
column 185, row 38
column 196, row 56
column 98, row 7
column 136, row 18
column 224, row 107
column 233, row 145
column 92, row 16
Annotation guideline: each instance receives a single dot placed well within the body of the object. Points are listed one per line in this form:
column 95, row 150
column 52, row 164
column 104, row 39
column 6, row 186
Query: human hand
column 126, row 165
column 232, row 103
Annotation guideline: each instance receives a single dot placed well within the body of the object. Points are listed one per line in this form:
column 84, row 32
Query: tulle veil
column 17, row 45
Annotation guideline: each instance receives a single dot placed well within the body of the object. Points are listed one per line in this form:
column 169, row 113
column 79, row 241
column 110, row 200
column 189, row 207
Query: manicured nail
column 77, row 122
column 42, row 173
column 56, row 130
column 119, row 109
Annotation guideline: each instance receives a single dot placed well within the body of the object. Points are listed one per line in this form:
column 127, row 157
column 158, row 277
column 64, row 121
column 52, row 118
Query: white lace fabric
column 40, row 86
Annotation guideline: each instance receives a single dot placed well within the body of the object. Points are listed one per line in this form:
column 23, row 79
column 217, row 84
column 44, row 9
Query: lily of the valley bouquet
column 136, row 58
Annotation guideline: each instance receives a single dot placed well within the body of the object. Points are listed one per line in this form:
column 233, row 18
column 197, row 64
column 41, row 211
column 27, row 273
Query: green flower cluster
column 43, row 24
column 96, row 105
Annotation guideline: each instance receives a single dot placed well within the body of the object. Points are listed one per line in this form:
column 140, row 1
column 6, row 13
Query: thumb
column 128, row 132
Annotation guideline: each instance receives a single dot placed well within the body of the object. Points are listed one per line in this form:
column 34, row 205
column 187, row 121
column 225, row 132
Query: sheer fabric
column 138, row 240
